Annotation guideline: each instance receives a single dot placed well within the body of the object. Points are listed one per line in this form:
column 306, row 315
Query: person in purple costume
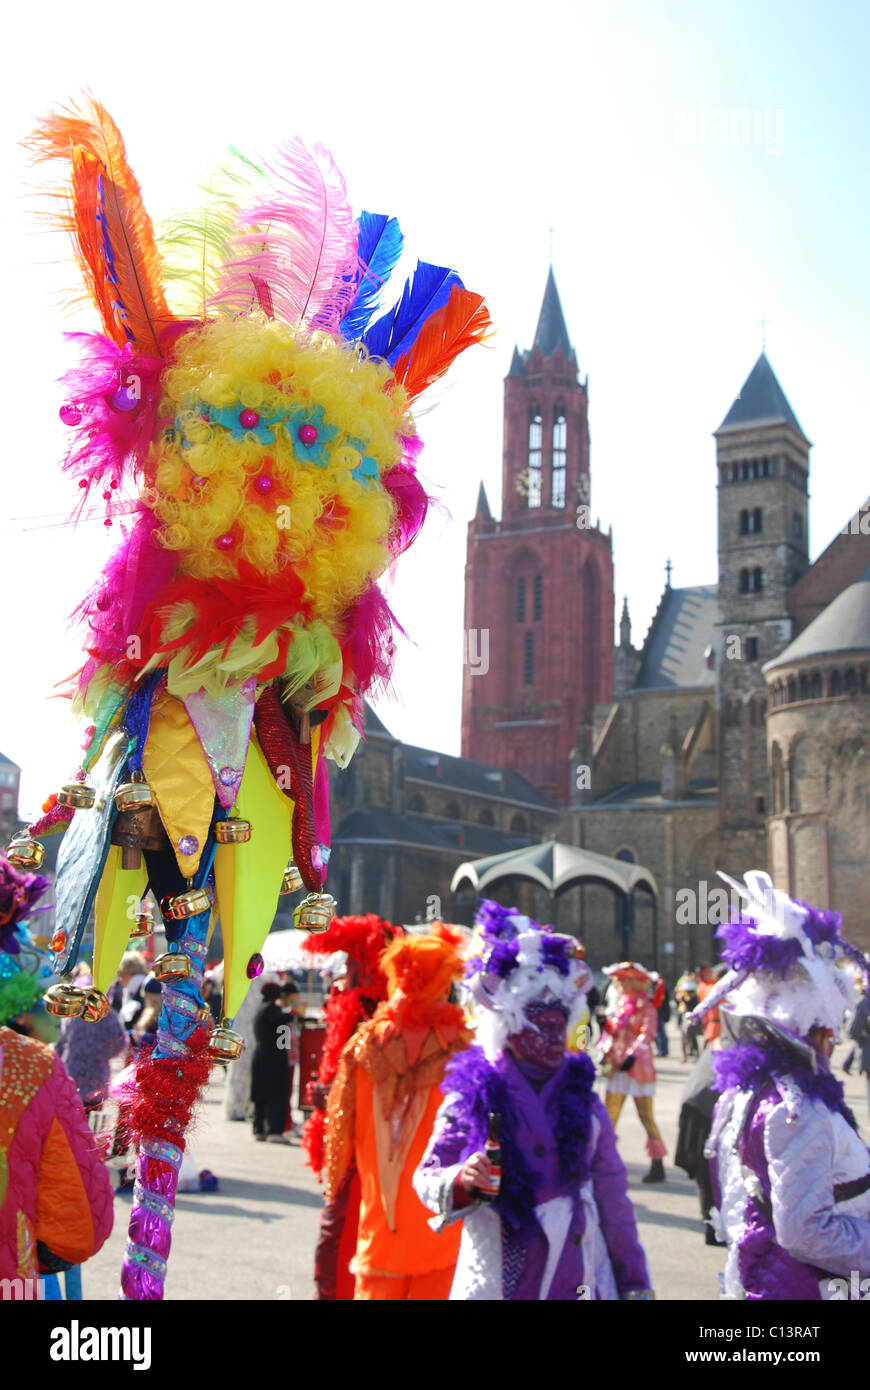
column 791, row 1174
column 562, row 1226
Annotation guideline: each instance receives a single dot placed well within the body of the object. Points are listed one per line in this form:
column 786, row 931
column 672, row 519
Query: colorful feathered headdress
column 518, row 961
column 25, row 971
column 785, row 961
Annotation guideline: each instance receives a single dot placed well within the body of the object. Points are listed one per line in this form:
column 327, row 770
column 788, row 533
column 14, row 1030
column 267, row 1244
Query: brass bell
column 96, row 1006
column 187, row 904
column 174, row 965
column 24, row 853
column 131, row 795
column 65, row 1001
column 143, row 925
column 292, row 879
column 80, row 795
column 138, row 827
column 315, row 912
column 224, row 1045
column 232, row 831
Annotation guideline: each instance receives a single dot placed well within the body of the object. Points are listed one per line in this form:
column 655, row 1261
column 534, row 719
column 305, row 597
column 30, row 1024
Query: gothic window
column 744, row 581
column 560, row 445
column 792, row 690
column 529, row 658
column 816, row 686
column 836, row 683
column 451, row 811
column 744, row 522
column 539, row 598
column 746, row 470
column 757, row 580
column 485, row 818
column 851, row 681
column 756, row 519
column 752, row 649
column 416, row 805
column 536, row 436
column 759, row 805
column 765, row 468
column 756, row 468
column 518, row 825
column 803, row 687
column 735, row 472
column 521, row 599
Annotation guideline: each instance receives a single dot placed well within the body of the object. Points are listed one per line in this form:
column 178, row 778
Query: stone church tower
column 539, row 582
column 763, row 461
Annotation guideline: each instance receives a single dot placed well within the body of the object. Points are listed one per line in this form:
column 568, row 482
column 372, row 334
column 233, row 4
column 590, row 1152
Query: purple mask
column 542, row 1042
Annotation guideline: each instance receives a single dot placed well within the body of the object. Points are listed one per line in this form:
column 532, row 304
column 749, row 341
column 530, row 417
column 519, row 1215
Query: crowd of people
column 454, row 1120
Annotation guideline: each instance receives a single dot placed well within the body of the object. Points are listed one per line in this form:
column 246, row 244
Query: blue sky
column 702, row 164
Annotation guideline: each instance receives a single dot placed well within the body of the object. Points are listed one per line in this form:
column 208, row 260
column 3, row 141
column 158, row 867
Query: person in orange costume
column 382, row 1108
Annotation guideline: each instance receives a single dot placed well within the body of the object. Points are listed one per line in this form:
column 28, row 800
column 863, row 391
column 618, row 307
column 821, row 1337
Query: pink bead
column 70, row 414
column 249, row 419
column 83, row 482
column 307, row 434
column 263, row 483
column 226, row 541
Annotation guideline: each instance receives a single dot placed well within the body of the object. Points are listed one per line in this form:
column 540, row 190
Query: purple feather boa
column 481, row 1087
column 748, row 1067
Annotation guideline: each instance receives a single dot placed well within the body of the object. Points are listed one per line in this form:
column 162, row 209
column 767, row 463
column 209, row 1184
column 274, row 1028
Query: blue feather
column 396, row 332
column 379, row 248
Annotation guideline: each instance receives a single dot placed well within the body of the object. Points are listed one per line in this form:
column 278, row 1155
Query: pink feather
column 299, row 240
column 371, row 645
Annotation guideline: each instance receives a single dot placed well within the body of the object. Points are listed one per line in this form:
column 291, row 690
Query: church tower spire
column 540, row 581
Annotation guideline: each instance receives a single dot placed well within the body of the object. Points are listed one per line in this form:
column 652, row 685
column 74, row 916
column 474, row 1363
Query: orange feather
column 457, row 325
column 111, row 230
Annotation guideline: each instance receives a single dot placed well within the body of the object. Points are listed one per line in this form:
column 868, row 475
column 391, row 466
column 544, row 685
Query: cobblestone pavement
column 254, row 1239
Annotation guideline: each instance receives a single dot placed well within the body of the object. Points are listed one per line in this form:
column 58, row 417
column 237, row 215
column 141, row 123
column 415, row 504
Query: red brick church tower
column 539, row 583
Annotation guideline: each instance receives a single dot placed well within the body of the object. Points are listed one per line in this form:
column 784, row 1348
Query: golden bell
column 131, row 795
column 175, row 965
column 24, row 853
column 96, row 1006
column 65, row 1001
column 188, row 904
column 143, row 925
column 292, row 879
column 232, row 831
column 224, row 1045
column 80, row 795
column 315, row 912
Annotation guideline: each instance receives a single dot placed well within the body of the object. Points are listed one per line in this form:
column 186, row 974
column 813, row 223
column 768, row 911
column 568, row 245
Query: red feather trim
column 164, row 1090
column 459, row 324
column 282, row 748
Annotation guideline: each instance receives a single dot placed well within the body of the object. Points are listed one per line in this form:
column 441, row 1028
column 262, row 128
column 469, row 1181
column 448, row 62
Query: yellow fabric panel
column 177, row 771
column 112, row 924
column 248, row 877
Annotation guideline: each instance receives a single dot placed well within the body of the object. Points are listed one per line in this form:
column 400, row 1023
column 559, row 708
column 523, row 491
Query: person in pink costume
column 626, row 1054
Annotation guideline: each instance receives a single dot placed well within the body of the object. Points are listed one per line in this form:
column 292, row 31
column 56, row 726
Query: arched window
column 452, row 812
column 539, row 598
column 735, row 472
column 792, row 690
column 757, row 580
column 560, row 454
column 765, row 468
column 521, row 599
column 416, row 805
column 836, row 683
column 486, row 817
column 816, row 686
column 529, row 658
column 851, row 681
column 536, row 435
column 518, row 825
column 803, row 687
column 744, row 581
column 746, row 467
column 756, row 519
column 744, row 522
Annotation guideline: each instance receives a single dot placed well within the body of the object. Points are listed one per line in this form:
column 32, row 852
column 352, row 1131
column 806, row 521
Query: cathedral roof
column 683, row 630
column 762, row 401
column 422, row 832
column 552, row 331
column 468, row 775
column 482, row 510
column 844, row 626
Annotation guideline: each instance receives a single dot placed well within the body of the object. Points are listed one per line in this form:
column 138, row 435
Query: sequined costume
column 382, row 1107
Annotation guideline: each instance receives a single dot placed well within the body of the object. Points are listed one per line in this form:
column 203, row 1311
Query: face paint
column 542, row 1042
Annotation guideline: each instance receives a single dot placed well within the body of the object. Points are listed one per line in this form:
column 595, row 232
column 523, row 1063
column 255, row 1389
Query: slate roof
column 482, row 510
column 761, row 401
column 844, row 626
column 683, row 628
column 390, row 827
column 552, row 331
column 701, row 790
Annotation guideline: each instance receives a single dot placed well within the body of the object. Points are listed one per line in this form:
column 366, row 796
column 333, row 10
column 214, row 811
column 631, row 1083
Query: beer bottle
column 492, row 1149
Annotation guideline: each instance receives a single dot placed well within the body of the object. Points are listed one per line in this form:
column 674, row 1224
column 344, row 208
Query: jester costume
column 243, row 420
column 626, row 1054
column 382, row 1106
column 791, row 1174
column 352, row 1000
column 562, row 1227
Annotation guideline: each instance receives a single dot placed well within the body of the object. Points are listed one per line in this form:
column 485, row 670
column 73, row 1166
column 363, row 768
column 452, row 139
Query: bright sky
column 702, row 165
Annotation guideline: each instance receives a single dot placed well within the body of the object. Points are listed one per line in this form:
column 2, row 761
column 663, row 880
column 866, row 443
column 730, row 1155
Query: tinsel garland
column 284, row 752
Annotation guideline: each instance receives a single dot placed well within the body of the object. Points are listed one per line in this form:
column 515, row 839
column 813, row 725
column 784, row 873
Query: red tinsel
column 282, row 748
column 164, row 1090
